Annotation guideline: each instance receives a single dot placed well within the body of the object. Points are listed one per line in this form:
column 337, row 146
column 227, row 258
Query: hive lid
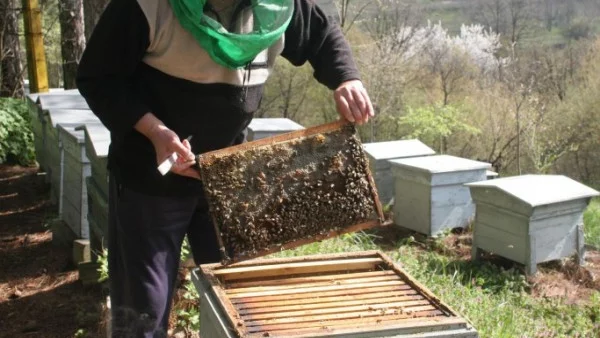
column 289, row 190
column 440, row 164
column 537, row 190
column 98, row 138
column 397, row 149
column 62, row 100
column 349, row 294
column 71, row 130
column 72, row 116
column 273, row 124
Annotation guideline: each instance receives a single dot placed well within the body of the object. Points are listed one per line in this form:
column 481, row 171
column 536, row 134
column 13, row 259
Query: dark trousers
column 144, row 243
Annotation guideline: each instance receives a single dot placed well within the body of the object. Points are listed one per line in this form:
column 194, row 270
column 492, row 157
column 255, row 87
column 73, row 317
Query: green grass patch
column 591, row 219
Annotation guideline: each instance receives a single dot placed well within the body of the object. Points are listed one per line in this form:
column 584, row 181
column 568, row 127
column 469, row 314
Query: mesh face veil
column 234, row 50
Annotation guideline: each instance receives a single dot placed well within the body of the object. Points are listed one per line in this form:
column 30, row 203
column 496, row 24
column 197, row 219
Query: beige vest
column 175, row 52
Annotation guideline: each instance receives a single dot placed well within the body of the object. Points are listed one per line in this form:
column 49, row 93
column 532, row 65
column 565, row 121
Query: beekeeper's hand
column 353, row 103
column 166, row 143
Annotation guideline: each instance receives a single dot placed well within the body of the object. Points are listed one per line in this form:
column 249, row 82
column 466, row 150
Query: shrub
column 16, row 137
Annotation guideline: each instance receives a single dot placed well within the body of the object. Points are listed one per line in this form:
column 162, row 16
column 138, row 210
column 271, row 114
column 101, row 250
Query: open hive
column 361, row 294
column 289, row 190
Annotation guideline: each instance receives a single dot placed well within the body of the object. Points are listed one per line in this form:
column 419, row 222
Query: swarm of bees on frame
column 295, row 190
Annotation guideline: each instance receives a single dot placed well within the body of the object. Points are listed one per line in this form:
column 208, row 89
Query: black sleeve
column 115, row 49
column 313, row 37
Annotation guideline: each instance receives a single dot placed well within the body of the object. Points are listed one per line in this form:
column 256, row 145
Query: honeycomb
column 268, row 194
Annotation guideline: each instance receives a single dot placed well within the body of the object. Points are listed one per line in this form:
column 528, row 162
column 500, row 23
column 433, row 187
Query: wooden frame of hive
column 207, row 159
column 359, row 294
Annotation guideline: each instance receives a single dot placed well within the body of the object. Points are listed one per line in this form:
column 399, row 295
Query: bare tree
column 72, row 38
column 519, row 15
column 10, row 51
column 349, row 14
column 491, row 13
column 92, row 9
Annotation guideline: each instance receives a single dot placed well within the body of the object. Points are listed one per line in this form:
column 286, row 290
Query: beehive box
column 76, row 168
column 361, row 294
column 380, row 153
column 97, row 217
column 430, row 192
column 62, row 100
column 97, row 143
column 52, row 146
column 289, row 190
column 260, row 128
column 530, row 219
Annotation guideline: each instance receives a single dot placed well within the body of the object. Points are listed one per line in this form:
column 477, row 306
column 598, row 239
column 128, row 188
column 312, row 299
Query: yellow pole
column 34, row 40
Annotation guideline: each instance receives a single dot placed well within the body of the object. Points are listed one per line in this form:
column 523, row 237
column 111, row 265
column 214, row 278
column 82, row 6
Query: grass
column 591, row 219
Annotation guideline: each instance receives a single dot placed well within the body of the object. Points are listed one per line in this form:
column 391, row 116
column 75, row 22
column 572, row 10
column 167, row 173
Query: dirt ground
column 40, row 295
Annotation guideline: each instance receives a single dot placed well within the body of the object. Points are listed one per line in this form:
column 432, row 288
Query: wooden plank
column 329, row 293
column 403, row 306
column 315, row 289
column 308, row 279
column 313, row 284
column 296, row 268
column 334, row 303
column 34, row 40
column 323, row 301
column 365, row 325
column 320, row 321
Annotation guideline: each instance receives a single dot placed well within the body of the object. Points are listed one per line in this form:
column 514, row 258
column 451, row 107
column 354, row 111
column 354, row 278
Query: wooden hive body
column 380, row 154
column 75, row 168
column 430, row 192
column 289, row 190
column 260, row 128
column 360, row 294
column 97, row 142
column 530, row 219
column 53, row 146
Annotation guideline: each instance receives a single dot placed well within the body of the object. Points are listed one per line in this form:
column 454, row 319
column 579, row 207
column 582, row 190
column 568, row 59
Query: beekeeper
column 156, row 72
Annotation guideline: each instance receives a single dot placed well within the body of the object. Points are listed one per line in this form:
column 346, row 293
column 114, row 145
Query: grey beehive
column 267, row 127
column 62, row 100
column 67, row 118
column 97, row 142
column 530, row 219
column 379, row 154
column 75, row 168
column 430, row 195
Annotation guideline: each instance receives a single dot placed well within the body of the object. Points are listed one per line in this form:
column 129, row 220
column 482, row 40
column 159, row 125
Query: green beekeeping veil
column 235, row 50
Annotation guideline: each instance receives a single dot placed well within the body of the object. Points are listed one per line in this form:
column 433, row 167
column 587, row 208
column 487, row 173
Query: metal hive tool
column 289, row 190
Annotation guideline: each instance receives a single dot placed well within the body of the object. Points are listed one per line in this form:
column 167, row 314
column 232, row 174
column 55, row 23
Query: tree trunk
column 10, row 51
column 72, row 38
column 92, row 9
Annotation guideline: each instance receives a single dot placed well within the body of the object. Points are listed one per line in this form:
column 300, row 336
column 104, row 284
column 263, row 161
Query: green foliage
column 591, row 220
column 16, row 137
column 432, row 124
column 103, row 265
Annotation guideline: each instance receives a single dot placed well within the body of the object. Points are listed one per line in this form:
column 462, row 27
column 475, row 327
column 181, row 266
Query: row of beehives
column 529, row 219
column 72, row 147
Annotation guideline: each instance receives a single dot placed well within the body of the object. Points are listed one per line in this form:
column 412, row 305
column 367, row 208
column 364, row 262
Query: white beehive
column 62, row 100
column 267, row 127
column 530, row 219
column 75, row 168
column 97, row 142
column 430, row 193
column 380, row 153
column 52, row 146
